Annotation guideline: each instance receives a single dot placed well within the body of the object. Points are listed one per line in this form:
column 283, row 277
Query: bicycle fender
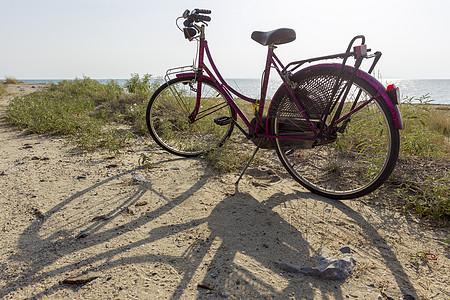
column 393, row 109
column 192, row 74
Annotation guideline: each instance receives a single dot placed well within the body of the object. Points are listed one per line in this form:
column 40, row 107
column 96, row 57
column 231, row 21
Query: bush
column 428, row 198
column 10, row 80
column 423, row 136
column 84, row 108
column 144, row 86
column 418, row 137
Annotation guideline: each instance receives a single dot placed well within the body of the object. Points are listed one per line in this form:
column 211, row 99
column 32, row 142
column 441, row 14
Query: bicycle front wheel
column 169, row 118
column 360, row 158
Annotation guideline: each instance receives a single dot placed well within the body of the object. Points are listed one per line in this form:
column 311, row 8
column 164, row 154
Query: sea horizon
column 437, row 90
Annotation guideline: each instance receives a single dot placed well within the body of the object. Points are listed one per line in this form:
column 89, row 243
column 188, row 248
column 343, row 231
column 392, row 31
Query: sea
column 435, row 90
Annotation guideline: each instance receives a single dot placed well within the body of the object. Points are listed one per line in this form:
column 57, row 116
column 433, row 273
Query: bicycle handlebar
column 201, row 11
column 195, row 16
column 199, row 18
column 190, row 29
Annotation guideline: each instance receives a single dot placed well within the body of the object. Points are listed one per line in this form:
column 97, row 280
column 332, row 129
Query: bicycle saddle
column 276, row 37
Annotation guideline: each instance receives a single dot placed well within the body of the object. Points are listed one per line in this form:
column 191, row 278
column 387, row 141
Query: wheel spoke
column 359, row 159
column 168, row 117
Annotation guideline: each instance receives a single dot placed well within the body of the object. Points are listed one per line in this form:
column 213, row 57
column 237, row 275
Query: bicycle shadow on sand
column 229, row 251
column 240, row 260
column 42, row 249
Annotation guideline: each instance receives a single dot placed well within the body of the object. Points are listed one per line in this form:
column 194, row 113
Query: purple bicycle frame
column 215, row 76
column 271, row 61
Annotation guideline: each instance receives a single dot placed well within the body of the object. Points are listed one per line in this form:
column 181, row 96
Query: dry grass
column 11, row 80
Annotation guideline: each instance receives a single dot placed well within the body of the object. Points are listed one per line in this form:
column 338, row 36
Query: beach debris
column 345, row 249
column 129, row 211
column 9, row 171
column 138, row 178
column 327, row 267
column 38, row 213
column 82, row 234
column 204, row 286
column 141, row 203
column 100, row 218
column 82, row 279
column 39, row 158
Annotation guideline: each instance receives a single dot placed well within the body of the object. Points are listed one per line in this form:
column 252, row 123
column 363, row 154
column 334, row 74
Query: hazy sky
column 53, row 39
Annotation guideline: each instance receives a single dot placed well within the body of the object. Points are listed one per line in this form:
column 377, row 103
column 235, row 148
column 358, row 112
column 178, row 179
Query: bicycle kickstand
column 245, row 169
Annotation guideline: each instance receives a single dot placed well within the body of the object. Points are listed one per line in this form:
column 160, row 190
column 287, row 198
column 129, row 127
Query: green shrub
column 417, row 137
column 142, row 86
column 428, row 198
column 2, row 88
column 83, row 108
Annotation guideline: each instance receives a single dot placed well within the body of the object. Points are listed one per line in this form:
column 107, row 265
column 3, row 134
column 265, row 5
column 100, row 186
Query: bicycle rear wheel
column 361, row 157
column 168, row 117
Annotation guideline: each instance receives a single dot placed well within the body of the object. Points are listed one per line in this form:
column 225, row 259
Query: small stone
column 370, row 284
column 138, row 178
column 81, row 235
column 129, row 211
column 345, row 249
column 38, row 213
column 141, row 203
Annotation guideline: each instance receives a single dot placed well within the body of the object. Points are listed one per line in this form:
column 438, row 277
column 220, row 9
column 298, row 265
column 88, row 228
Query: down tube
column 224, row 88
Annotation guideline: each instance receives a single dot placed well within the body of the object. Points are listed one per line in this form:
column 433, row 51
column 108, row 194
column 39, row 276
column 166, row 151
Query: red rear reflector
column 391, row 87
column 393, row 93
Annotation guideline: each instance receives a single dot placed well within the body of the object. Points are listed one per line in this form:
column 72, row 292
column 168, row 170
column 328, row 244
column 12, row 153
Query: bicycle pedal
column 221, row 121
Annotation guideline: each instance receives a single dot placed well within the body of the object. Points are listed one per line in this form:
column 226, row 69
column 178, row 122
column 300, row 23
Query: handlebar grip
column 201, row 11
column 198, row 18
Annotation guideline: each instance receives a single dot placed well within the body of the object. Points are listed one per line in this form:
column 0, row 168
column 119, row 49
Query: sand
column 77, row 225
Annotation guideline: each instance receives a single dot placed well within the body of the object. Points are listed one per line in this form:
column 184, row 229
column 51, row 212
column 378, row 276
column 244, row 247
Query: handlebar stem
column 202, row 32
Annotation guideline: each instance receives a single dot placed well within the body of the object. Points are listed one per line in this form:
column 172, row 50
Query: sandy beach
column 77, row 225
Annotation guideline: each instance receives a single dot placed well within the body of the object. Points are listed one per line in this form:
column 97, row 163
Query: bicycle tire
column 168, row 114
column 360, row 159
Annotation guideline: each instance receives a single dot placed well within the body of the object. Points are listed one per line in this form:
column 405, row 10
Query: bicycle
column 334, row 127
